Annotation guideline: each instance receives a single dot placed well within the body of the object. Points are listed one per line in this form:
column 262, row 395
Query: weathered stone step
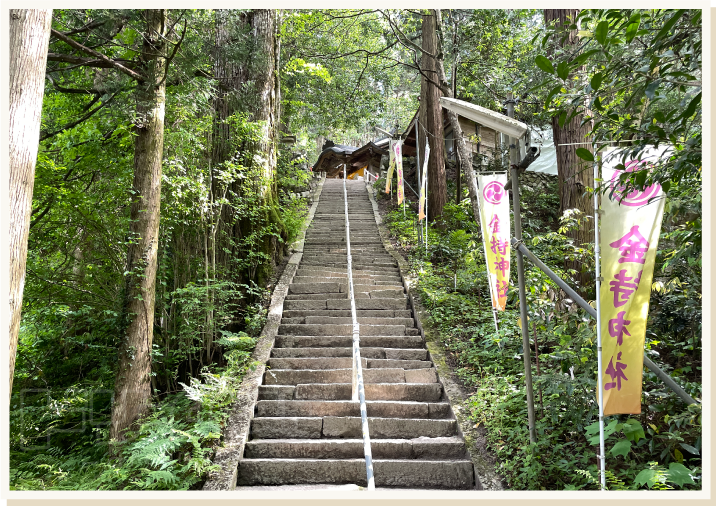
column 333, row 287
column 314, row 363
column 357, row 279
column 379, row 375
column 285, row 341
column 444, row 474
column 388, row 353
column 419, row 392
column 372, row 303
column 360, row 313
column 317, row 296
column 417, row 448
column 317, row 363
column 349, row 427
column 344, row 303
column 362, row 320
column 356, row 266
column 382, row 409
column 340, row 330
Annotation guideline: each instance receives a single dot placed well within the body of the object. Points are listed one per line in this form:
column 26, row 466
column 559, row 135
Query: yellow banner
column 495, row 217
column 629, row 236
column 397, row 148
column 391, row 167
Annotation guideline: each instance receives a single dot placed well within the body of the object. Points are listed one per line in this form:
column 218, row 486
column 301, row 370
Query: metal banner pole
column 521, row 278
column 597, row 251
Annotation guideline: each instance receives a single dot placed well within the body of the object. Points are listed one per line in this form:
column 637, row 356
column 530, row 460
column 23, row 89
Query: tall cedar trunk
column 261, row 71
column 464, row 154
column 29, row 39
column 230, row 74
column 574, row 175
column 431, row 118
column 132, row 389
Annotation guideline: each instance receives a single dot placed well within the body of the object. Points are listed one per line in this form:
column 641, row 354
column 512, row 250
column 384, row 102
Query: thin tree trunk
column 574, row 175
column 29, row 39
column 432, row 119
column 464, row 154
column 132, row 390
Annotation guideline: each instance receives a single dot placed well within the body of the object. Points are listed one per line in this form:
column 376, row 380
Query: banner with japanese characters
column 398, row 152
column 423, row 186
column 391, row 167
column 495, row 217
column 629, row 235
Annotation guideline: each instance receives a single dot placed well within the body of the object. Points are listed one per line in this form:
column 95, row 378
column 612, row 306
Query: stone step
column 300, row 376
column 379, row 353
column 362, row 320
column 360, row 313
column 417, row 448
column 317, row 296
column 286, row 341
column 381, row 409
column 372, row 303
column 357, row 279
column 333, row 287
column 425, row 392
column 356, row 266
column 320, row 270
column 442, row 474
column 323, row 363
column 349, row 427
column 300, row 329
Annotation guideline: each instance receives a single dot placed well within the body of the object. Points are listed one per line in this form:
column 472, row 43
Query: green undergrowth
column 59, row 439
column 657, row 449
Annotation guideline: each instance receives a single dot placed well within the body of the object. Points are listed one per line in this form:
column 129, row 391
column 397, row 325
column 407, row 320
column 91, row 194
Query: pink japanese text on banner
column 629, row 236
column 391, row 167
column 421, row 205
column 495, row 217
column 397, row 149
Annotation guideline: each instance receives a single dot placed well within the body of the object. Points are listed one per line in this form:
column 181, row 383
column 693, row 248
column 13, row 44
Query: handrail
column 358, row 387
column 593, row 313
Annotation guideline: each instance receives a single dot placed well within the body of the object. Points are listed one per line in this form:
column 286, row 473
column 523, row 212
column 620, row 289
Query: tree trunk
column 132, row 389
column 29, row 39
column 431, row 118
column 464, row 155
column 574, row 174
column 261, row 101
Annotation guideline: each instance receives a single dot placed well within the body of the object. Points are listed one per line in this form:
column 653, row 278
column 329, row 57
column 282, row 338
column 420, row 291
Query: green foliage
column 454, row 291
column 637, row 76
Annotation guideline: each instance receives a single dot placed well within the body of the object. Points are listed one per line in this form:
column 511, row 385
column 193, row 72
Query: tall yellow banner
column 423, row 186
column 629, row 236
column 391, row 167
column 397, row 149
column 495, row 218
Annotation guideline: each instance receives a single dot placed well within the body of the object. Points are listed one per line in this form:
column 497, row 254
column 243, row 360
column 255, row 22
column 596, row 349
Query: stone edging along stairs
column 302, row 427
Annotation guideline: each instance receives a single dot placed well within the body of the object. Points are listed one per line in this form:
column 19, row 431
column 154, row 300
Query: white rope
column 358, row 386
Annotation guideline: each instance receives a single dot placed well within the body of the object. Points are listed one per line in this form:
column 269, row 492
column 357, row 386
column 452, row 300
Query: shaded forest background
column 161, row 210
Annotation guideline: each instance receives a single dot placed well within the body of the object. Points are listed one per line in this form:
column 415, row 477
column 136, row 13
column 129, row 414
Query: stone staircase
column 306, row 429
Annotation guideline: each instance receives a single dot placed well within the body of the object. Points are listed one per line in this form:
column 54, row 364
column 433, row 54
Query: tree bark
column 574, row 174
column 431, row 118
column 464, row 155
column 261, row 101
column 29, row 40
column 132, row 390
